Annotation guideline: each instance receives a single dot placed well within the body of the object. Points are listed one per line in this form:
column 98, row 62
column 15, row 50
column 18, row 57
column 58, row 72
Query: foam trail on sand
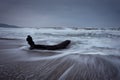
column 63, row 76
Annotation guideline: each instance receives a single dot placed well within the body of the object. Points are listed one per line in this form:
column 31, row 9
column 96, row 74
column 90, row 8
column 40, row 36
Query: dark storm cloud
column 60, row 12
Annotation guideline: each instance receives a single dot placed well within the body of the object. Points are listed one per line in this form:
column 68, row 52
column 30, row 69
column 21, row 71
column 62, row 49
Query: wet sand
column 19, row 64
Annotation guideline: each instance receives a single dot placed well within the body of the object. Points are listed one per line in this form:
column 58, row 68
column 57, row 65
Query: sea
column 103, row 41
column 94, row 53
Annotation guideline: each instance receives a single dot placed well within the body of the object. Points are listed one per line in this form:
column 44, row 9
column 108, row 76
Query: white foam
column 82, row 39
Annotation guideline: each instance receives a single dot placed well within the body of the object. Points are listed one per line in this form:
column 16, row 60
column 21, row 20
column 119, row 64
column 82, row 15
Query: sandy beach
column 19, row 64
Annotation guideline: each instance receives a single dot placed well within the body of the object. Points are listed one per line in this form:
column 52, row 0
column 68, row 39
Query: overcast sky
column 48, row 13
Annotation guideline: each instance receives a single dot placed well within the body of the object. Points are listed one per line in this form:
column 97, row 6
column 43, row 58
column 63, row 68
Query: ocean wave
column 61, row 32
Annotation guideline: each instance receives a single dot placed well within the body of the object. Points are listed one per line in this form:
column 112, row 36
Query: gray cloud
column 60, row 12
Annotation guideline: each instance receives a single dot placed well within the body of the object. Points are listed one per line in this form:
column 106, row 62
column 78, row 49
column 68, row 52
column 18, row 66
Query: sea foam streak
column 83, row 39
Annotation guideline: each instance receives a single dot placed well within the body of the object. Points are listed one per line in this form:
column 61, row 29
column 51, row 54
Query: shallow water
column 94, row 41
column 105, row 41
